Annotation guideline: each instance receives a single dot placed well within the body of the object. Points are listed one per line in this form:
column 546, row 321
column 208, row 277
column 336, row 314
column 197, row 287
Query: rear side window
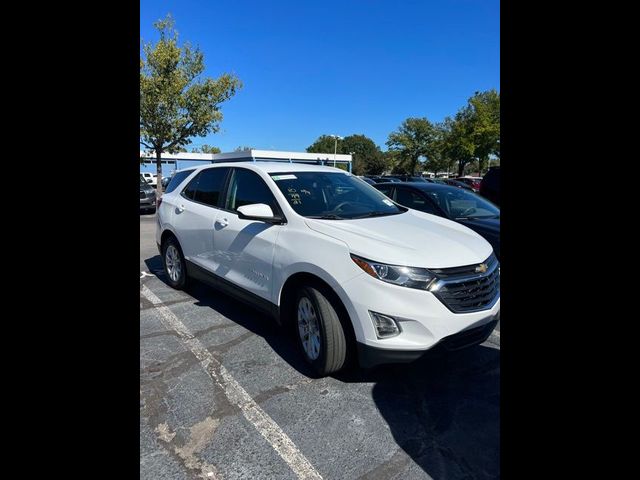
column 246, row 188
column 386, row 189
column 413, row 200
column 210, row 185
column 177, row 180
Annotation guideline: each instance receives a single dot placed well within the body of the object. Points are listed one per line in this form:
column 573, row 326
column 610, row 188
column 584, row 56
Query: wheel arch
column 287, row 296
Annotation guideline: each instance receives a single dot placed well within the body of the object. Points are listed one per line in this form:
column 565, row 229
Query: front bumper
column 149, row 202
column 423, row 319
column 369, row 356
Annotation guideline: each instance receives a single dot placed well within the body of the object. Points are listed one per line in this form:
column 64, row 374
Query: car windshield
column 462, row 204
column 333, row 196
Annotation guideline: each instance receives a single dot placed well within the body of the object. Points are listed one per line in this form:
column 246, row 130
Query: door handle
column 180, row 209
column 223, row 222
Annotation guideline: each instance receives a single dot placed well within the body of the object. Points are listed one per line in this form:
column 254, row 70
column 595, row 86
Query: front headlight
column 411, row 277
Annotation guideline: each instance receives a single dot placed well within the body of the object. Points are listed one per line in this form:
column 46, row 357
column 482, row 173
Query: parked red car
column 473, row 182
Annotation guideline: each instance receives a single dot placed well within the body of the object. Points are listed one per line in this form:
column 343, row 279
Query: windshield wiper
column 480, row 217
column 376, row 214
column 329, row 216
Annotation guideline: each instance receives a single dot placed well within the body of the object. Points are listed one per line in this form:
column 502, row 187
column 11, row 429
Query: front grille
column 463, row 292
column 142, row 194
column 468, row 338
column 465, row 270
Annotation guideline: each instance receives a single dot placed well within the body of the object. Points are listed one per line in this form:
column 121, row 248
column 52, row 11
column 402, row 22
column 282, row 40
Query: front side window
column 333, row 196
column 246, row 188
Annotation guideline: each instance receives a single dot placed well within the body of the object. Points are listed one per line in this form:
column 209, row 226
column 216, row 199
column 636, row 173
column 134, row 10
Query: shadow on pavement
column 242, row 314
column 443, row 410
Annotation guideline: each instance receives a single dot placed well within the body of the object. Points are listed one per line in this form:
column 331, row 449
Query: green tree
column 325, row 144
column 474, row 133
column 391, row 161
column 457, row 143
column 414, row 139
column 366, row 155
column 485, row 125
column 176, row 104
column 205, row 149
column 440, row 160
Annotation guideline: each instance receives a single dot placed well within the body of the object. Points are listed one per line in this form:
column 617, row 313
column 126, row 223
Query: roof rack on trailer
column 254, row 155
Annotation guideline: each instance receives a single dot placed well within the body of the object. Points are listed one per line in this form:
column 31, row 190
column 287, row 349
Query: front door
column 244, row 249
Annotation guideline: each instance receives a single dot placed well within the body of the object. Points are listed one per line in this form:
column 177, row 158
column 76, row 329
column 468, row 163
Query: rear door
column 195, row 214
column 244, row 249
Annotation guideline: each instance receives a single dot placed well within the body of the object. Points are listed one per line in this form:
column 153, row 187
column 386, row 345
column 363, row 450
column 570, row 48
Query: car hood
column 489, row 225
column 489, row 228
column 412, row 238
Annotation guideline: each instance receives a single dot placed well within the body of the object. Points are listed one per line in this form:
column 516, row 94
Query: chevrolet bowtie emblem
column 481, row 268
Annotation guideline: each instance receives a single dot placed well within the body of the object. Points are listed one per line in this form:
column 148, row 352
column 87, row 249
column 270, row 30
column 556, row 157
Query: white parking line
column 494, row 338
column 237, row 395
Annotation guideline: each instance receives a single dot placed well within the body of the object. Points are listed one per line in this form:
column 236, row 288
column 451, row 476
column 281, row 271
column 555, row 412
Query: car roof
column 272, row 167
column 427, row 187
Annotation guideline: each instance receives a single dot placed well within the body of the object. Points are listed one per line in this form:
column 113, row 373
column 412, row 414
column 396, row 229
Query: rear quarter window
column 177, row 180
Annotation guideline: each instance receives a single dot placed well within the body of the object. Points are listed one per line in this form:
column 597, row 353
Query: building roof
column 271, row 167
column 252, row 154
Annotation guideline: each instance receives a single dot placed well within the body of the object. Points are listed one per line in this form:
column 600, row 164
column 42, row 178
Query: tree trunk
column 460, row 168
column 159, row 173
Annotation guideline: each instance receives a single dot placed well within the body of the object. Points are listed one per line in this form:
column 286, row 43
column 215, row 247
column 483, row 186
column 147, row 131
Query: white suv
column 352, row 272
column 150, row 178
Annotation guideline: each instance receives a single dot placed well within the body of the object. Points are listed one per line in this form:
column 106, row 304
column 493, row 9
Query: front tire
column 175, row 267
column 319, row 331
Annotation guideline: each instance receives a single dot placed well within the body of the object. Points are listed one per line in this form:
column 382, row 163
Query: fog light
column 385, row 325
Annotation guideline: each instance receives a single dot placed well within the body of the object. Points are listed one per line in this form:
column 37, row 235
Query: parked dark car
column 147, row 196
column 368, row 180
column 473, row 182
column 453, row 203
column 374, row 178
column 456, row 183
column 407, row 178
column 490, row 185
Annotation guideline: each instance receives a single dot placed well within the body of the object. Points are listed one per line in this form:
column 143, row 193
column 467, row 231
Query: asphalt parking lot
column 225, row 395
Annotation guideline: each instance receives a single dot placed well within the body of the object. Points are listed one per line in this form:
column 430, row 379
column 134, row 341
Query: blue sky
column 343, row 67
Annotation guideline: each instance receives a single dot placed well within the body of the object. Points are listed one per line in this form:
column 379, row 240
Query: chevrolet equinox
column 352, row 273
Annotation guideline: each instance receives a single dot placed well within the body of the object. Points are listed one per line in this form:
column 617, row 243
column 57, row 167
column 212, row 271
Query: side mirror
column 259, row 211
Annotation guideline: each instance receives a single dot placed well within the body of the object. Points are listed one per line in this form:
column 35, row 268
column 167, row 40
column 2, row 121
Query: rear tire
column 319, row 331
column 175, row 267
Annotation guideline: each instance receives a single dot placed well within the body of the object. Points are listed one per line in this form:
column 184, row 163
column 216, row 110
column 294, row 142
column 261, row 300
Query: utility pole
column 335, row 148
